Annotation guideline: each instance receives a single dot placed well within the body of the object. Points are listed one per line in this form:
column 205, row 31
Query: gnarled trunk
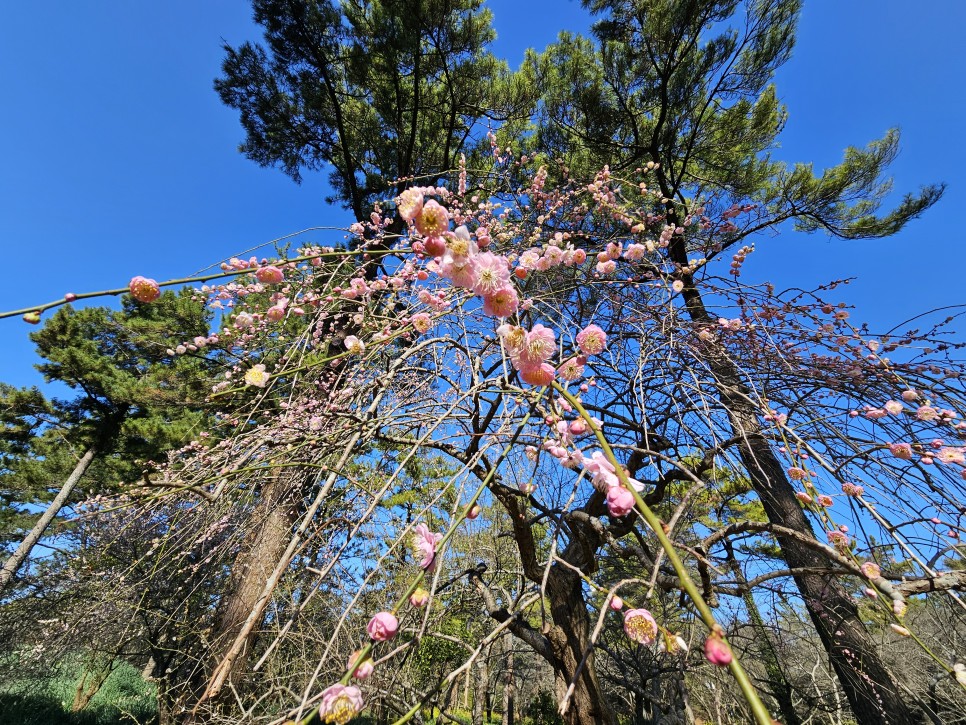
column 569, row 641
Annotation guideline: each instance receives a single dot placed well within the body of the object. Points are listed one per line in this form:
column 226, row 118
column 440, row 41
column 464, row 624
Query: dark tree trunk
column 275, row 513
column 870, row 687
column 569, row 640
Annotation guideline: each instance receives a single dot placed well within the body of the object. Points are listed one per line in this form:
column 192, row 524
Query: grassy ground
column 124, row 698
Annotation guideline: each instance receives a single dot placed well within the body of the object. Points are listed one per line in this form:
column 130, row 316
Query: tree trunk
column 870, row 687
column 250, row 570
column 94, row 676
column 23, row 550
column 509, row 685
column 569, row 640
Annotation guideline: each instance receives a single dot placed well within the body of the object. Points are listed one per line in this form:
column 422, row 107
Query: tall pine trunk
column 21, row 553
column 252, row 567
column 872, row 690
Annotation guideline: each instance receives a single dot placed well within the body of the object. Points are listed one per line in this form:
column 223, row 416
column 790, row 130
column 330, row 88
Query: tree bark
column 23, row 550
column 250, row 570
column 570, row 640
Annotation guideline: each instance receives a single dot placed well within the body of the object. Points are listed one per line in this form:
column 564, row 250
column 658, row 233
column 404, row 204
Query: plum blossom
column 901, row 450
column 269, row 274
column 432, row 220
column 425, row 541
column 620, row 501
column 382, row 627
column 354, row 345
column 421, row 322
column 592, row 340
column 256, row 376
column 409, row 204
column 340, row 703
column 502, row 303
column 640, row 626
column 142, row 289
column 538, row 375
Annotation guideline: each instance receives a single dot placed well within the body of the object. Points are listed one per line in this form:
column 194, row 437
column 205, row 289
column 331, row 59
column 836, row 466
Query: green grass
column 125, row 698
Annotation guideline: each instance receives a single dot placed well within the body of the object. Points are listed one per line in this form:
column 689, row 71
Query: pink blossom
column 804, row 497
column 602, row 473
column 539, row 375
column 901, row 450
column 951, row 455
column 578, row 427
column 383, row 627
column 571, row 370
column 492, row 274
column 825, row 501
column 410, row 203
column 620, row 501
column 640, row 626
column 425, row 542
column 538, row 346
column 927, row 412
column 871, row 570
column 635, row 252
column 354, row 345
column 592, row 340
column 142, row 289
column 716, row 651
column 364, row 669
column 851, row 489
column 269, row 275
column 797, row 474
column 421, row 322
column 607, row 267
column 340, row 703
column 894, row 407
column 502, row 303
column 616, row 603
column 432, row 220
column 838, row 539
column 909, row 395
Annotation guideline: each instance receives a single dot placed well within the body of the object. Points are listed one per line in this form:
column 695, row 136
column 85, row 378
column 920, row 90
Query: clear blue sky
column 117, row 158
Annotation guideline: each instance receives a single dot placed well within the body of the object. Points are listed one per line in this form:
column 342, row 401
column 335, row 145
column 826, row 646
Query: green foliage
column 371, row 91
column 687, row 85
column 125, row 697
column 131, row 398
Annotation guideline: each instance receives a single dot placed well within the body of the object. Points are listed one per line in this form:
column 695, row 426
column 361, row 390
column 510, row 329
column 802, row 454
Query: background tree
column 135, row 400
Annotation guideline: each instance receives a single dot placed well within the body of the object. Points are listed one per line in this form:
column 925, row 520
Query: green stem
column 707, row 616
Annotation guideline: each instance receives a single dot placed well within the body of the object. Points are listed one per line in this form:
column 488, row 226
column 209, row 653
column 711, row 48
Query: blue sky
column 118, row 158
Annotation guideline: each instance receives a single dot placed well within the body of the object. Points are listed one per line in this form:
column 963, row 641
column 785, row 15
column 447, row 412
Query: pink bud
column 616, row 603
column 70, row 297
column 364, row 669
column 419, row 598
column 716, row 651
column 474, row 511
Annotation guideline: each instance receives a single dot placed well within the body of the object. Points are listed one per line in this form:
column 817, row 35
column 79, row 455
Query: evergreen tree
column 135, row 398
